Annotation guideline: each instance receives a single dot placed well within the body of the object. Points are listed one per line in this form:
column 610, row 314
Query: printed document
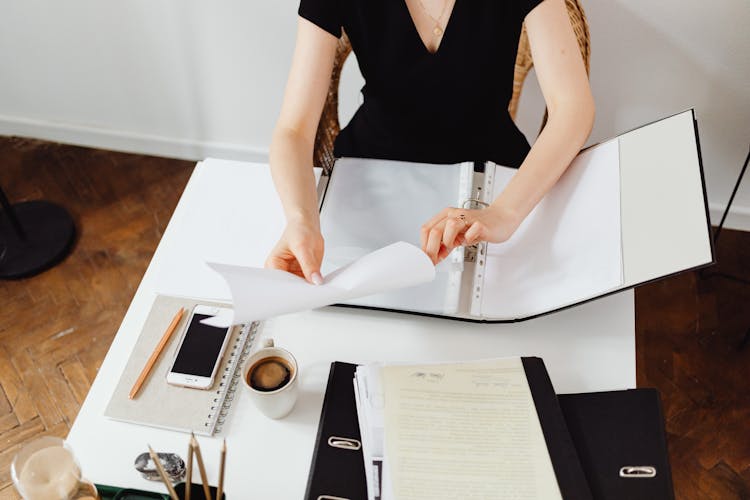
column 465, row 430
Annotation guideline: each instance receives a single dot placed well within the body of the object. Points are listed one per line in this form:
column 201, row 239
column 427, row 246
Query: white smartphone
column 201, row 350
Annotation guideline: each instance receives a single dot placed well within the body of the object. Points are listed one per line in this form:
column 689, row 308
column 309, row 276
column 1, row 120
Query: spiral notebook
column 159, row 404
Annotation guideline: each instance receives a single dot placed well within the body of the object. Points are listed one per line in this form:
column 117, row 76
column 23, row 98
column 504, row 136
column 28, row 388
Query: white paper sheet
column 567, row 250
column 369, row 400
column 464, row 430
column 371, row 203
column 452, row 430
column 258, row 293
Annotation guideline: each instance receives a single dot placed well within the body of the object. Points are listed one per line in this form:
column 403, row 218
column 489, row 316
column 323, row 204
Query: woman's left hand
column 453, row 227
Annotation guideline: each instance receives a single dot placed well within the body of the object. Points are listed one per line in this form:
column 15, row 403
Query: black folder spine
column 562, row 452
column 319, row 437
column 338, row 471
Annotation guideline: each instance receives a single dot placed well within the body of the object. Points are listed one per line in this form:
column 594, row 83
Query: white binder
column 629, row 210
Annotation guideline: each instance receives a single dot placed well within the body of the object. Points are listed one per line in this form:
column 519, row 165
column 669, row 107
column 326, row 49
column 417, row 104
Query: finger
column 476, row 233
column 446, row 212
column 285, row 263
column 424, row 235
column 277, row 263
column 278, row 260
column 427, row 226
column 453, row 227
column 424, row 231
column 310, row 265
column 434, row 241
column 443, row 253
column 295, row 268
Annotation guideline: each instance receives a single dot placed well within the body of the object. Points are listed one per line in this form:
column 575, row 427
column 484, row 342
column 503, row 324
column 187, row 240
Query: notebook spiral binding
column 230, row 379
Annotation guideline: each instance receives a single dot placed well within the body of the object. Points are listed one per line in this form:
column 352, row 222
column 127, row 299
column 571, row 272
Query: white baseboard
column 738, row 218
column 130, row 142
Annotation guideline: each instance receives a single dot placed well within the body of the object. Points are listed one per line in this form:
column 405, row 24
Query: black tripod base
column 48, row 236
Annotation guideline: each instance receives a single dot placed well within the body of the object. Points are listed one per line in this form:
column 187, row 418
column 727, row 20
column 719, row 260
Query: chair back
column 328, row 126
column 524, row 61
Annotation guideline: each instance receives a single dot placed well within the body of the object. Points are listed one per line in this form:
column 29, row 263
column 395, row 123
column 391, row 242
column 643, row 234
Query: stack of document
column 459, row 430
column 368, row 391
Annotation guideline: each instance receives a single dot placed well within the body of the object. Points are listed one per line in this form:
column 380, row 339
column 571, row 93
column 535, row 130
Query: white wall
column 189, row 79
column 654, row 58
column 173, row 77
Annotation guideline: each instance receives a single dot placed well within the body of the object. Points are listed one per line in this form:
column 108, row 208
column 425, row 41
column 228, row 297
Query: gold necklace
column 437, row 30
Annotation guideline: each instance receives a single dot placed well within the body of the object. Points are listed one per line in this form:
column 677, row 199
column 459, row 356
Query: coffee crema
column 269, row 374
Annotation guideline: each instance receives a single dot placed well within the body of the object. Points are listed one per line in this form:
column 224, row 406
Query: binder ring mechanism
column 474, row 203
column 637, row 471
column 344, row 443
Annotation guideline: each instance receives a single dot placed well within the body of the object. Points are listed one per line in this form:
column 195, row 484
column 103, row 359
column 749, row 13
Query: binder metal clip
column 637, row 471
column 344, row 443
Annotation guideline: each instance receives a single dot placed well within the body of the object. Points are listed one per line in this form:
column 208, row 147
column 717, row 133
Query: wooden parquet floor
column 56, row 327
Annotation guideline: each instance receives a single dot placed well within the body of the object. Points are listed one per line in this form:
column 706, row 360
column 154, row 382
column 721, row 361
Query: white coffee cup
column 279, row 402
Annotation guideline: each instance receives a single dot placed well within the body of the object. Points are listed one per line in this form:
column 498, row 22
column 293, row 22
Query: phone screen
column 200, row 348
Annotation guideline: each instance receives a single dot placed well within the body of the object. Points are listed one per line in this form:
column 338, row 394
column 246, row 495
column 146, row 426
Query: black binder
column 337, row 468
column 562, row 452
column 621, row 431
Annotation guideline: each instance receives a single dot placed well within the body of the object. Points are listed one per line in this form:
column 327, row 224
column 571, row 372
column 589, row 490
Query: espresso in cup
column 271, row 377
column 269, row 374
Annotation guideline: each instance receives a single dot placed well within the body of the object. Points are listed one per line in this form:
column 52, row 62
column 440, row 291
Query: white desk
column 588, row 348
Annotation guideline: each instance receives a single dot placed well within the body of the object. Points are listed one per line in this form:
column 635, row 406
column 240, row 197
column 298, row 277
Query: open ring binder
column 627, row 211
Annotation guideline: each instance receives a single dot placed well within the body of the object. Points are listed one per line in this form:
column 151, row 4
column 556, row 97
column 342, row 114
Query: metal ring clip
column 637, row 471
column 344, row 443
column 476, row 203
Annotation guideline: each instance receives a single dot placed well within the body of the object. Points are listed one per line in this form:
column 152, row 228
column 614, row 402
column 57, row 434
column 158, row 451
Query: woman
column 439, row 77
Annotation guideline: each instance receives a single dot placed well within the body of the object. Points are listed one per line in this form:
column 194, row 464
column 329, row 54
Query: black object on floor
column 34, row 236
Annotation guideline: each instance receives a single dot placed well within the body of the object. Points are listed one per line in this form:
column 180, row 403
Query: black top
column 446, row 107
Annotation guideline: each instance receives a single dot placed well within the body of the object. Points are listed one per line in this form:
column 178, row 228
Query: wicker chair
column 328, row 127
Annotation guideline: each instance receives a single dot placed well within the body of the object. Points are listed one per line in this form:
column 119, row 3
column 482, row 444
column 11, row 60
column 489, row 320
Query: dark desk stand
column 34, row 236
column 746, row 339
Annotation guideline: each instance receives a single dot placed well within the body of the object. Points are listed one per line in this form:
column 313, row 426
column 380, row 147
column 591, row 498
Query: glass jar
column 46, row 469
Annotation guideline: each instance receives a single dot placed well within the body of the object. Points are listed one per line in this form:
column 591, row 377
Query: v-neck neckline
column 415, row 31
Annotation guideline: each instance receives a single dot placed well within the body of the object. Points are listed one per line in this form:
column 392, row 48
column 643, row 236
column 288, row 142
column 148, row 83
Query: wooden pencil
column 155, row 355
column 201, row 467
column 222, row 461
column 189, row 471
column 163, row 474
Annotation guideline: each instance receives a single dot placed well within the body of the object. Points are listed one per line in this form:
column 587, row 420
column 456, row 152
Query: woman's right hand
column 299, row 251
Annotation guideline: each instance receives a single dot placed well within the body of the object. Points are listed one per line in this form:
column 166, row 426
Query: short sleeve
column 323, row 13
column 527, row 6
